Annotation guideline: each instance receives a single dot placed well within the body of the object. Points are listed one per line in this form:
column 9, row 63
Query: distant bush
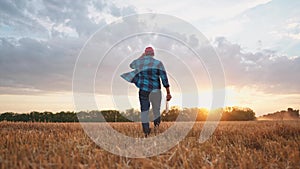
column 39, row 117
column 288, row 114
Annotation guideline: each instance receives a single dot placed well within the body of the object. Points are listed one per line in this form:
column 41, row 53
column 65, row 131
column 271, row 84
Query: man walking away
column 146, row 76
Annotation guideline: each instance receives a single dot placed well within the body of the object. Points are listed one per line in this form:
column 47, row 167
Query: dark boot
column 146, row 129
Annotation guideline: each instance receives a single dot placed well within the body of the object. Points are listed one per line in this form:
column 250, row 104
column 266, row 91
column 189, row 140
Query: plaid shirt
column 147, row 74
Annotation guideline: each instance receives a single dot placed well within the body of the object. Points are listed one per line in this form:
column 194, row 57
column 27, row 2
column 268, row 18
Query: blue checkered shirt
column 147, row 74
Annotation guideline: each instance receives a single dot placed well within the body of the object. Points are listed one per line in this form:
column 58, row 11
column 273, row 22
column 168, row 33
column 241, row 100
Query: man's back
column 149, row 71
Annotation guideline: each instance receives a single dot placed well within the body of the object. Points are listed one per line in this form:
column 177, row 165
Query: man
column 146, row 76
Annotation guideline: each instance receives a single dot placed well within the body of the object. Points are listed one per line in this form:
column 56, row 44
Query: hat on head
column 149, row 51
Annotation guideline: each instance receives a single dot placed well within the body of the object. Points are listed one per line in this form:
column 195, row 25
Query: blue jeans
column 146, row 98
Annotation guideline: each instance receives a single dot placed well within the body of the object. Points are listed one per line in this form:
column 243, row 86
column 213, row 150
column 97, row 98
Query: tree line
column 288, row 114
column 130, row 115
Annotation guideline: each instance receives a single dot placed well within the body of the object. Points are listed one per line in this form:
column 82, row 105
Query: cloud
column 38, row 65
column 57, row 18
column 270, row 24
column 16, row 17
column 290, row 30
column 39, row 45
column 192, row 10
column 40, row 41
column 33, row 66
column 265, row 70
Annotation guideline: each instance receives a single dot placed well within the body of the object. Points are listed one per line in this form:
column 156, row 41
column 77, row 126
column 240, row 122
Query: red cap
column 149, row 50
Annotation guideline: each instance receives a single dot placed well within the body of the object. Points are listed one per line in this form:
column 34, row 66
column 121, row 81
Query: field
column 255, row 144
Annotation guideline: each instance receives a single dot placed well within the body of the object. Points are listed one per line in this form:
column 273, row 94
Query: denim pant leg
column 145, row 105
column 155, row 99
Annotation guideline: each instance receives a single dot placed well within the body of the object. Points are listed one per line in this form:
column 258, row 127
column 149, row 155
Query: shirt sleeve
column 134, row 64
column 163, row 75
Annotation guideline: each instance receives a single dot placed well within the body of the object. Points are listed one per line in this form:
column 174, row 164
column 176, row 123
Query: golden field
column 253, row 144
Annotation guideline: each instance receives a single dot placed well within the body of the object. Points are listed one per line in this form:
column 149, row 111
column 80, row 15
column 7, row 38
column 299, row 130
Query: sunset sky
column 258, row 43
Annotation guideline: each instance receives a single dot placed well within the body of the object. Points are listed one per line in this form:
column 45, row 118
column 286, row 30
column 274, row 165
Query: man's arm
column 165, row 81
column 169, row 97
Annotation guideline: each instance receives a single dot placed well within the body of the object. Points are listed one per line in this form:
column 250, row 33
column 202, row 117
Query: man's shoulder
column 157, row 61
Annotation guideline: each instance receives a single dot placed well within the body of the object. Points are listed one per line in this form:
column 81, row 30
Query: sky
column 258, row 43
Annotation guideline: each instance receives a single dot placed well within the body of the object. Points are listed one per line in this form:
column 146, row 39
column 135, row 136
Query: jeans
column 146, row 98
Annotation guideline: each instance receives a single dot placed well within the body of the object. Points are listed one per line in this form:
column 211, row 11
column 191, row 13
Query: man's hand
column 169, row 97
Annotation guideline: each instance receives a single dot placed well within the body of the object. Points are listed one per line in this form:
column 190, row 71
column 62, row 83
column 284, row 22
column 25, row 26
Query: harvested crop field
column 255, row 144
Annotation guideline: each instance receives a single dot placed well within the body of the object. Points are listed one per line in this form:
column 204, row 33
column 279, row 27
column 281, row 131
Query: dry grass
column 260, row 144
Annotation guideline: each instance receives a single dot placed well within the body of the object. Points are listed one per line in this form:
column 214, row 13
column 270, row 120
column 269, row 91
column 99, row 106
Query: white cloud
column 270, row 26
column 44, row 19
column 290, row 29
column 192, row 10
column 293, row 25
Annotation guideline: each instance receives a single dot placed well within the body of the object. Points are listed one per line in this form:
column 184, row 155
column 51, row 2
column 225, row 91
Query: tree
column 8, row 116
column 238, row 114
column 171, row 115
